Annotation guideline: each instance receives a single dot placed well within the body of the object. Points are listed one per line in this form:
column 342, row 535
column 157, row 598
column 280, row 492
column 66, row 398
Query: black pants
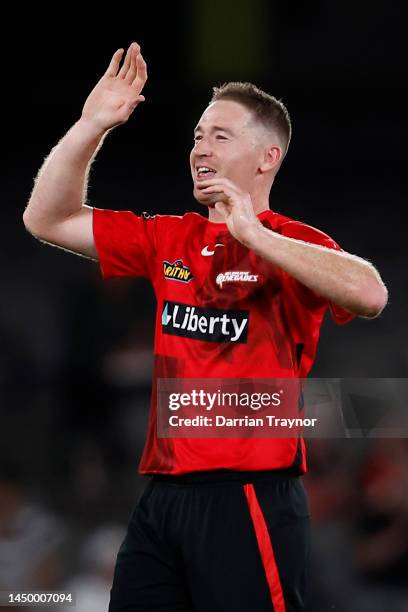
column 215, row 542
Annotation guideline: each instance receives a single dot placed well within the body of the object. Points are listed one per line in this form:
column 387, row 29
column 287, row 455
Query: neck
column 259, row 206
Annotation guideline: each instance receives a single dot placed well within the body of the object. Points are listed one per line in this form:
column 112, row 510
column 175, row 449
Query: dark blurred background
column 76, row 353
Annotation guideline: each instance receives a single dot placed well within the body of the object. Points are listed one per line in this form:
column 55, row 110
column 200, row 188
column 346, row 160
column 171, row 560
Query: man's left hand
column 235, row 206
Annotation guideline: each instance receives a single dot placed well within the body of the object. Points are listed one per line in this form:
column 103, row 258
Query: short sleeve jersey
column 222, row 312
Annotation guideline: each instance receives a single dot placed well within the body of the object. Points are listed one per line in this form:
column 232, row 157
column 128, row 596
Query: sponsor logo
column 235, row 276
column 204, row 323
column 206, row 253
column 176, row 271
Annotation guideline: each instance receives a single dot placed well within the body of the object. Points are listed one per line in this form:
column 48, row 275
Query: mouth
column 204, row 172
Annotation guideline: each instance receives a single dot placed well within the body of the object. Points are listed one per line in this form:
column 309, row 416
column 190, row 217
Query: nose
column 202, row 148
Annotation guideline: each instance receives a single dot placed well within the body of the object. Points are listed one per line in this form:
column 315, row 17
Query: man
column 223, row 524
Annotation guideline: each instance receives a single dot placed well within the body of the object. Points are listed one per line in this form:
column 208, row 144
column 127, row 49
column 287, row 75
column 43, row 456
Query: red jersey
column 222, row 312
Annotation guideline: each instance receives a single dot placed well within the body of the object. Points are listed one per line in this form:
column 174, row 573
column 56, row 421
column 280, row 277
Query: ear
column 272, row 157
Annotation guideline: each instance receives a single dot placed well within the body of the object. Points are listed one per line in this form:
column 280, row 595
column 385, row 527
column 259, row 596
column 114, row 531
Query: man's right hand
column 56, row 212
column 118, row 92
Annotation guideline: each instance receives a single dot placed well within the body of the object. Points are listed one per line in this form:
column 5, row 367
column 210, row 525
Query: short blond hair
column 266, row 109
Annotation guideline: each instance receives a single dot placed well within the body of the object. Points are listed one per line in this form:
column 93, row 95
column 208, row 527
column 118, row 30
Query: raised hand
column 118, row 92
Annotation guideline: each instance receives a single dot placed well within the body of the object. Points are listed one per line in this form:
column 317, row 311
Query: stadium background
column 76, row 354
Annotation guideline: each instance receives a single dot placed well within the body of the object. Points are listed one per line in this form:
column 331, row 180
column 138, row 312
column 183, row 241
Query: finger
column 134, row 103
column 126, row 63
column 131, row 73
column 125, row 66
column 210, row 188
column 218, row 188
column 218, row 180
column 141, row 73
column 114, row 63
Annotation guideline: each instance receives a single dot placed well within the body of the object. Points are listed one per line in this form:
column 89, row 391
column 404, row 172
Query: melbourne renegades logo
column 235, row 276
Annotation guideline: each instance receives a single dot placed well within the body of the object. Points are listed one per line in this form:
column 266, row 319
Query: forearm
column 60, row 187
column 344, row 279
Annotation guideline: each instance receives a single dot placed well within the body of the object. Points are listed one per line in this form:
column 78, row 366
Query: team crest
column 177, row 271
column 236, row 276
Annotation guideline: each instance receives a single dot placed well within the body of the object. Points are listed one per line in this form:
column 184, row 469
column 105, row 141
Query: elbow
column 375, row 300
column 30, row 224
column 27, row 220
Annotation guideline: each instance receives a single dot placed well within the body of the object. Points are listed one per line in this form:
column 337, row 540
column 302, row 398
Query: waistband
column 226, row 476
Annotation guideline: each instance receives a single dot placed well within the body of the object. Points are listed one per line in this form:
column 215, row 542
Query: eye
column 221, row 137
column 197, row 138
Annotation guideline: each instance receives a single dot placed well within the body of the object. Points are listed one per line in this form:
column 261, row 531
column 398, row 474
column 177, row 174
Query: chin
column 206, row 200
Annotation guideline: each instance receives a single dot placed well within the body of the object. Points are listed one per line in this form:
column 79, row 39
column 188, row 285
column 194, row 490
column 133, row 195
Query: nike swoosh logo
column 207, row 253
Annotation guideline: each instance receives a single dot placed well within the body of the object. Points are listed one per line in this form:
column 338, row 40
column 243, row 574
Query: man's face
column 226, row 143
